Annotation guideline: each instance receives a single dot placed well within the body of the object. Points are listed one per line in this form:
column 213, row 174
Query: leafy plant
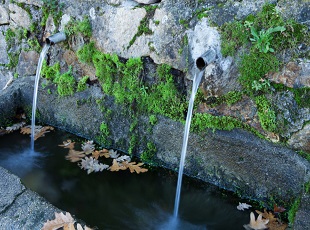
column 82, row 84
column 65, row 83
column 262, row 39
column 261, row 84
column 266, row 114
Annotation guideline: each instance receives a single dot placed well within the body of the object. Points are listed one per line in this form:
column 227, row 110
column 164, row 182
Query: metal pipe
column 205, row 59
column 55, row 38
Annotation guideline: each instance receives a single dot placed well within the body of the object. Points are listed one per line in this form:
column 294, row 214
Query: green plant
column 82, row 84
column 52, row 7
column 50, row 72
column 65, row 83
column 75, row 27
column 153, row 119
column 149, row 154
column 85, row 54
column 266, row 114
column 262, row 84
column 262, row 39
column 293, row 210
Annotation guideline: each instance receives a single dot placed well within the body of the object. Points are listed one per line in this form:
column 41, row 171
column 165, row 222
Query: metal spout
column 205, row 59
column 55, row 38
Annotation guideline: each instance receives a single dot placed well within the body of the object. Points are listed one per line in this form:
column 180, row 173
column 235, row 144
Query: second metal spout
column 205, row 59
column 56, row 38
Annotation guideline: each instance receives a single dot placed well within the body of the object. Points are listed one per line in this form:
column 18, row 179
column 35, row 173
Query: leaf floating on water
column 92, row 165
column 88, row 147
column 258, row 224
column 61, row 220
column 113, row 153
column 267, row 215
column 99, row 153
column 133, row 167
column 39, row 131
column 15, row 127
column 274, row 223
column 116, row 166
column 123, row 158
column 243, row 206
column 75, row 156
column 67, row 144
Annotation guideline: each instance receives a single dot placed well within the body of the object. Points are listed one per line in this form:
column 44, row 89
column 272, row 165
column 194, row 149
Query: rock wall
column 235, row 160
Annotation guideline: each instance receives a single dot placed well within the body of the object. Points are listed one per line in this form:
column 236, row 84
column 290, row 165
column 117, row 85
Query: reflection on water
column 116, row 200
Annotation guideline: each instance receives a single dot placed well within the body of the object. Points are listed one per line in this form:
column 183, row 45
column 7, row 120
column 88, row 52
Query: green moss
column 53, row 7
column 152, row 119
column 85, row 54
column 266, row 114
column 50, row 72
column 104, row 134
column 304, row 155
column 83, row 27
column 254, row 66
column 293, row 210
column 82, row 84
column 34, row 45
column 65, row 83
column 149, row 154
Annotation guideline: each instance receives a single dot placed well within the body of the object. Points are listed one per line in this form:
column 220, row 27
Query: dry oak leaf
column 75, row 156
column 61, row 220
column 99, row 153
column 267, row 215
column 88, row 147
column 67, row 144
column 39, row 131
column 133, row 167
column 278, row 209
column 79, row 227
column 116, row 166
column 258, row 224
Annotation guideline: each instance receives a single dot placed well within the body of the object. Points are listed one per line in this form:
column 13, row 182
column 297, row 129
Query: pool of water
column 116, row 200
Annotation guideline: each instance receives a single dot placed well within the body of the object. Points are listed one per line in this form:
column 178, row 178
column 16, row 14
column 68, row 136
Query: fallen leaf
column 67, row 144
column 60, row 221
column 243, row 206
column 99, row 153
column 69, row 226
column 88, row 147
column 113, row 153
column 92, row 165
column 133, row 167
column 267, row 215
column 278, row 209
column 75, row 156
column 15, row 127
column 259, row 223
column 39, row 131
column 116, row 166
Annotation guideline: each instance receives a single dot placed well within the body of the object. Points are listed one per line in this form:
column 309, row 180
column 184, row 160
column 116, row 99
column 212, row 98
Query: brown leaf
column 116, row 166
column 69, row 226
column 275, row 225
column 75, row 156
column 60, row 221
column 267, row 215
column 99, row 153
column 278, row 209
column 133, row 167
column 38, row 132
column 67, row 144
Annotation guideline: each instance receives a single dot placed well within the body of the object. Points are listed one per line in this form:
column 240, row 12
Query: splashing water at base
column 35, row 93
column 196, row 82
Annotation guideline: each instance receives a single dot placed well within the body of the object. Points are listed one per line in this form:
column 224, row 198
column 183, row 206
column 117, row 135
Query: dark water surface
column 116, row 200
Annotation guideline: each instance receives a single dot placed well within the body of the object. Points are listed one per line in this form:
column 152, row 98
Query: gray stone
column 4, row 58
column 4, row 16
column 301, row 139
column 38, row 3
column 302, row 218
column 5, row 79
column 10, row 188
column 27, row 63
column 19, row 17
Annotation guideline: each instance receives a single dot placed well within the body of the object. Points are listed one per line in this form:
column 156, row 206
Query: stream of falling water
column 35, row 93
column 196, row 82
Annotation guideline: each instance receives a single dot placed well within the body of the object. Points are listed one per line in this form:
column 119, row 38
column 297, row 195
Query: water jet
column 56, row 38
column 200, row 65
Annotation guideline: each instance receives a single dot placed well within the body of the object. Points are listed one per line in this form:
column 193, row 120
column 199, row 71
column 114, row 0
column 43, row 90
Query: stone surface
column 4, row 58
column 5, row 79
column 147, row 1
column 19, row 17
column 302, row 218
column 301, row 139
column 38, row 3
column 4, row 16
column 21, row 208
column 293, row 75
column 27, row 64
